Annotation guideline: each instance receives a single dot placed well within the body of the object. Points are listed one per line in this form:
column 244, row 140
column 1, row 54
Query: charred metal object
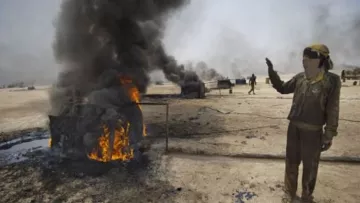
column 76, row 135
column 193, row 89
column 224, row 84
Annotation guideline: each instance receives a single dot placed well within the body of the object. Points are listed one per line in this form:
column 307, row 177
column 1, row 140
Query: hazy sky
column 26, row 34
column 28, row 25
column 245, row 32
column 219, row 32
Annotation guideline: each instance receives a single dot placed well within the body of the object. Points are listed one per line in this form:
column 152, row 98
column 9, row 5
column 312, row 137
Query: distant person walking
column 343, row 76
column 252, row 83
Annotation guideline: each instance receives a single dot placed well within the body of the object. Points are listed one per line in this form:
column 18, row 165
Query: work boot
column 286, row 198
column 307, row 199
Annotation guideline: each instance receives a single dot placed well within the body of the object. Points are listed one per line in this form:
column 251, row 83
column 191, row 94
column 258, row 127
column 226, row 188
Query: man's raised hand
column 269, row 64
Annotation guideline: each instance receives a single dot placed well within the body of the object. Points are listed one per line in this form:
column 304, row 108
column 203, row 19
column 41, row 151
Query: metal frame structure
column 166, row 119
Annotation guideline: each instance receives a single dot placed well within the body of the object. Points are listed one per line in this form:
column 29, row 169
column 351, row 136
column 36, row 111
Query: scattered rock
column 193, row 118
column 252, row 185
column 27, row 189
column 272, row 189
column 262, row 138
column 250, row 136
column 88, row 200
column 59, row 199
column 244, row 182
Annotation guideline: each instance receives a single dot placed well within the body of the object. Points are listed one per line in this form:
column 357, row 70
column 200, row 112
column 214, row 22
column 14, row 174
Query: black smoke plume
column 97, row 41
column 204, row 71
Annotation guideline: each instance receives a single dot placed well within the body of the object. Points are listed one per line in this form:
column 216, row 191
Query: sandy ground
column 23, row 109
column 219, row 179
column 221, row 124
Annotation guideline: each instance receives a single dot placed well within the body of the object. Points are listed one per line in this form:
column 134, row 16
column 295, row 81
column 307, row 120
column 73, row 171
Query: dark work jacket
column 252, row 80
column 314, row 103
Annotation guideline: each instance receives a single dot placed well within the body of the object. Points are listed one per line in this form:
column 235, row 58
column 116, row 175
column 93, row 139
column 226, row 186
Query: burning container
column 193, row 89
column 108, row 127
column 98, row 133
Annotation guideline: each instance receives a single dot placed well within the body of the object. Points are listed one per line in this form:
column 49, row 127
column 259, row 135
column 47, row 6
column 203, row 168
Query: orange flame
column 134, row 94
column 121, row 136
column 121, row 150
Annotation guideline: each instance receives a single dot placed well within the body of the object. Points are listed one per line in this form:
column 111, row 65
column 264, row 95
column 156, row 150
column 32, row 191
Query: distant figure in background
column 343, row 75
column 252, row 83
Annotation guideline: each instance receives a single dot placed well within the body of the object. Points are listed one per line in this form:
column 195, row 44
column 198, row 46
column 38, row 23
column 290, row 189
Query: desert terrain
column 208, row 137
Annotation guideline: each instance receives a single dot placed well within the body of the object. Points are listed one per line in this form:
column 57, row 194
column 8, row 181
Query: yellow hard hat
column 321, row 48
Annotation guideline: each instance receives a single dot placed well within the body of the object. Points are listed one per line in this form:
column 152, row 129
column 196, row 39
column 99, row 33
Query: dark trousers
column 252, row 88
column 302, row 145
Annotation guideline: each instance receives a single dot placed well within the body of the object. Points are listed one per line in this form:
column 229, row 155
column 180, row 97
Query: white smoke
column 244, row 32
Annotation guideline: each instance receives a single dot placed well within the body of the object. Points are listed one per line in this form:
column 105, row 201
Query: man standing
column 315, row 104
column 252, row 83
column 343, row 76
